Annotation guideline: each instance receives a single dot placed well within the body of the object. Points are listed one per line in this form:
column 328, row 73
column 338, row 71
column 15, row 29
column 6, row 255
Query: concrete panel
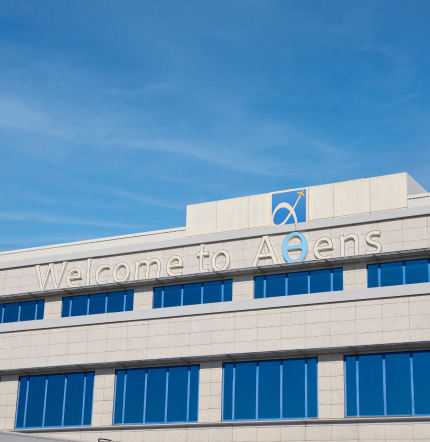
column 413, row 187
column 259, row 210
column 232, row 214
column 388, row 192
column 201, row 219
column 352, row 197
column 321, row 202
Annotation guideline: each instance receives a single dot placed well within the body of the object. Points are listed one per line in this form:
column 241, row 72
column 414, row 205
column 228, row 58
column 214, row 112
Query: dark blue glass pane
column 338, row 279
column 28, row 311
column 351, row 386
column 98, row 303
column 65, row 311
column 134, row 397
column 227, row 405
column 116, row 301
column 212, row 292
column 89, row 391
column 297, row 283
column 172, row 296
column 74, row 399
column 417, row 271
column 54, row 400
column 259, row 287
column 312, row 384
column 391, row 273
column 321, row 281
column 35, row 401
column 156, row 395
column 293, row 389
column 129, row 300
column 194, row 393
column 245, row 390
column 20, row 414
column 269, row 390
column 421, row 362
column 177, row 395
column 40, row 308
column 372, row 275
column 79, row 305
column 158, row 297
column 370, row 385
column 398, row 383
column 119, row 396
column 275, row 285
column 228, row 290
column 192, row 294
column 11, row 312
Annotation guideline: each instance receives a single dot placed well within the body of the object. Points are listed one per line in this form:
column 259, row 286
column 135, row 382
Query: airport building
column 298, row 315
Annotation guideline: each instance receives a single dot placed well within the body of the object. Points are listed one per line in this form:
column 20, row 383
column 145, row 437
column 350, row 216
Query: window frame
column 40, row 307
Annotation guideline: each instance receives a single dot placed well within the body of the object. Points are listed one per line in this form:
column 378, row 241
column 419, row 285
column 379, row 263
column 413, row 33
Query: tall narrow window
column 22, row 311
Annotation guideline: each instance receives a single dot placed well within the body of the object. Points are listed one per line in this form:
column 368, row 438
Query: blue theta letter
column 303, row 247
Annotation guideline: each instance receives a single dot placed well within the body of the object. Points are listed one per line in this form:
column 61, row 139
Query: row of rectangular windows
column 389, row 384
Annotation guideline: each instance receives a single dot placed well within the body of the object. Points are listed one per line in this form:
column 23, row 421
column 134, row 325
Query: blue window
column 398, row 273
column 55, row 400
column 191, row 294
column 277, row 389
column 156, row 395
column 298, row 283
column 22, row 311
column 390, row 384
column 98, row 303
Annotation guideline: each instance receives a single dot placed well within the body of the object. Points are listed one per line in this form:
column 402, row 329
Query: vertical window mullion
column 306, row 387
column 64, row 401
column 201, row 293
column 182, row 294
column 411, row 358
column 123, row 398
column 106, row 301
column 35, row 310
column 357, row 384
column 257, row 375
column 222, row 292
column 70, row 306
column 331, row 280
column 286, row 284
column 166, row 400
column 2, row 313
column 379, row 275
column 404, row 272
column 44, row 402
column 145, row 395
column 19, row 311
column 384, row 384
column 26, row 400
column 88, row 304
column 309, row 282
column 264, row 287
column 233, row 392
column 83, row 399
column 162, row 297
column 188, row 394
column 281, row 382
column 428, row 270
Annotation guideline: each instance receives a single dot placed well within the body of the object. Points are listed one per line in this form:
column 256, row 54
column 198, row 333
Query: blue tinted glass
column 417, row 271
column 28, row 311
column 391, row 273
column 65, row 312
column 119, row 396
column 372, row 275
column 227, row 405
column 312, row 385
column 40, row 308
column 177, row 395
column 115, row 302
column 11, row 312
column 421, row 362
column 269, row 390
column 370, row 385
column 35, row 401
column 293, row 389
column 259, row 287
column 338, row 279
column 135, row 395
column 212, row 292
column 74, row 399
column 20, row 414
column 228, row 290
column 194, row 393
column 172, row 296
column 54, row 400
column 129, row 299
column 351, row 386
column 156, row 395
column 245, row 390
column 158, row 297
column 192, row 294
column 79, row 305
column 89, row 391
column 320, row 281
column 297, row 283
column 275, row 285
column 98, row 303
column 398, row 383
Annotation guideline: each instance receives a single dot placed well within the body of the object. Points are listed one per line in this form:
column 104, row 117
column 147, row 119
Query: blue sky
column 114, row 115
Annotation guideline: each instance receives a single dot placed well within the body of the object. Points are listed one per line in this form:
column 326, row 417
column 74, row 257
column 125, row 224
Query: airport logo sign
column 289, row 207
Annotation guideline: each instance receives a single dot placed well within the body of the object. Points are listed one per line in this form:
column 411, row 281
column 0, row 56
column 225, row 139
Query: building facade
column 301, row 315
